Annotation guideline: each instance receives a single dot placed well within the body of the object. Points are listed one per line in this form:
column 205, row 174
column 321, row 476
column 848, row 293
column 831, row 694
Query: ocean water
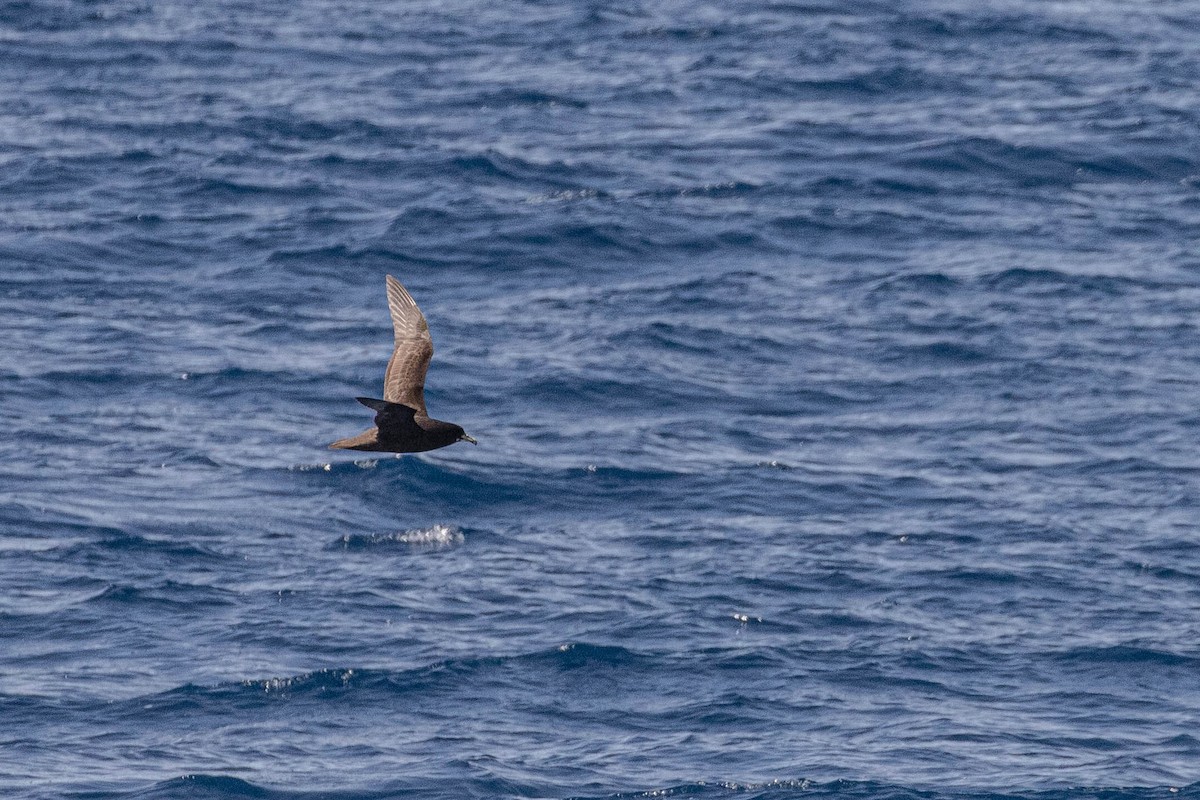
column 835, row 369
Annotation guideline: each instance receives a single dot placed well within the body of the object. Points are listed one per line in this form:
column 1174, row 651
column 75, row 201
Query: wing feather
column 404, row 381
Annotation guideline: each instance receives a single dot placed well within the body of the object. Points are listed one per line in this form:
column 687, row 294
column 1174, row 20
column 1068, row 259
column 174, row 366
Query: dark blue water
column 834, row 368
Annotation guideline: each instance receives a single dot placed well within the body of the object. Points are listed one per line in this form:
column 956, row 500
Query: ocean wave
column 216, row 786
column 380, row 685
column 787, row 789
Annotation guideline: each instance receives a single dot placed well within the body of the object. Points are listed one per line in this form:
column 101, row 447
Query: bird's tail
column 367, row 440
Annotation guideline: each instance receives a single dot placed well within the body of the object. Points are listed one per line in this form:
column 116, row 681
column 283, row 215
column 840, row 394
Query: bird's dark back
column 425, row 434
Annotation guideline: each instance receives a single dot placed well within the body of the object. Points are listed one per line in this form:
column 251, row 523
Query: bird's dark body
column 400, row 429
column 402, row 425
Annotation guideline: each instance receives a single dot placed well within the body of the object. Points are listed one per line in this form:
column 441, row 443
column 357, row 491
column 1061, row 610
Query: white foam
column 436, row 536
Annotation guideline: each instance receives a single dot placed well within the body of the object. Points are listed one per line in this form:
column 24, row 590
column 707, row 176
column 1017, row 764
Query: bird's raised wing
column 404, row 381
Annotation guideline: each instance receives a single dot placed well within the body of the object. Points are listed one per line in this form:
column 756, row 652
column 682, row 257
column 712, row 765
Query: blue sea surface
column 835, row 368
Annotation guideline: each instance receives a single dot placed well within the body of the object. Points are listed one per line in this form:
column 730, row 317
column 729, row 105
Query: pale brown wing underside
column 404, row 381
